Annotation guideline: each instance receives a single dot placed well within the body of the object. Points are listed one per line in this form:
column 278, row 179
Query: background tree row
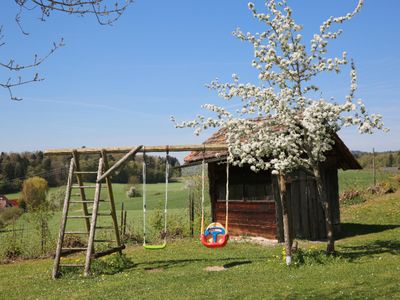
column 16, row 167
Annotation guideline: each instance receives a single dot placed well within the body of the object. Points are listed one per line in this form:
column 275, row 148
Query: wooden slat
column 247, row 207
column 108, row 251
column 111, row 195
column 72, row 265
column 93, row 221
column 163, row 148
column 119, row 163
column 263, row 232
column 57, row 258
column 74, row 249
column 85, row 172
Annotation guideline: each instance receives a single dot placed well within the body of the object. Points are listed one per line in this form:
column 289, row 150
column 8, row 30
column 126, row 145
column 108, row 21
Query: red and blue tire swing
column 215, row 235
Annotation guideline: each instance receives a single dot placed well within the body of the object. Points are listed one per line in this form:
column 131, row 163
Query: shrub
column 73, row 241
column 34, row 192
column 111, row 264
column 9, row 215
column 313, row 257
column 351, row 197
column 133, row 192
column 56, row 198
column 382, row 188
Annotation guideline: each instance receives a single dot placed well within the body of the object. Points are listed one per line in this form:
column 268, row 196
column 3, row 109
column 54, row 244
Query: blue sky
column 119, row 85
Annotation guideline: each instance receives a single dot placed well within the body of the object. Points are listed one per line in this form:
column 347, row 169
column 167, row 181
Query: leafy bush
column 351, row 197
column 313, row 257
column 133, row 192
column 34, row 192
column 56, row 198
column 73, row 241
column 9, row 215
column 308, row 257
column 111, row 264
column 382, row 188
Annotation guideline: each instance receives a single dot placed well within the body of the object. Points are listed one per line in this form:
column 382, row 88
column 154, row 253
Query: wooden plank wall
column 245, row 217
column 265, row 218
column 307, row 215
column 249, row 218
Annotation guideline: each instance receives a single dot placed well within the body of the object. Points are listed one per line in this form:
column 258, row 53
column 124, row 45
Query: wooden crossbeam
column 124, row 150
column 119, row 163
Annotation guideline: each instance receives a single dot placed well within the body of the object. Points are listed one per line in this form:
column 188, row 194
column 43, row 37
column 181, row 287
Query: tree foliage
column 16, row 167
column 34, row 192
column 286, row 122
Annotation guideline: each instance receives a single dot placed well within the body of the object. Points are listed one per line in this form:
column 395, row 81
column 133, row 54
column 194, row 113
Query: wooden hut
column 254, row 206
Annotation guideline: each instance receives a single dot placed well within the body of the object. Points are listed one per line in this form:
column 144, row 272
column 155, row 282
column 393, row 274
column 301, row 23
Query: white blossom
column 281, row 126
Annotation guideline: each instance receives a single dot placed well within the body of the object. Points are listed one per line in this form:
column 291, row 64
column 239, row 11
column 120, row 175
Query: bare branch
column 11, row 84
column 105, row 11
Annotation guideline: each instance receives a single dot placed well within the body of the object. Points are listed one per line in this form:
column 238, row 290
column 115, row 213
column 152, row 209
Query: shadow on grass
column 165, row 264
column 354, row 229
column 374, row 248
column 237, row 263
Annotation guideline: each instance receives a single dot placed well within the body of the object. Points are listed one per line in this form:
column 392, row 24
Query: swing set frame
column 106, row 173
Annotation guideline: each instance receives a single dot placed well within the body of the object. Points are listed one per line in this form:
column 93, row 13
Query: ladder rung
column 104, row 227
column 79, row 217
column 85, row 172
column 105, row 241
column 85, row 187
column 85, row 201
column 76, row 232
column 76, row 248
column 72, row 265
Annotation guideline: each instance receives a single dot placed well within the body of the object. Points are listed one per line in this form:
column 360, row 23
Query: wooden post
column 122, row 217
column 373, row 167
column 63, row 221
column 286, row 218
column 278, row 209
column 111, row 198
column 90, row 248
column 191, row 212
column 125, row 215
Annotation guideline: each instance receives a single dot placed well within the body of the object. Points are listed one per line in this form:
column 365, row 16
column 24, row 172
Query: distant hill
column 382, row 159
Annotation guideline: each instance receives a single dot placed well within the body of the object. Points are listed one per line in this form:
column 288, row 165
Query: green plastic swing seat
column 164, row 244
column 154, row 247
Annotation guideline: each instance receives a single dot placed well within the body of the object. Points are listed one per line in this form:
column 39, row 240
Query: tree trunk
column 326, row 205
column 285, row 217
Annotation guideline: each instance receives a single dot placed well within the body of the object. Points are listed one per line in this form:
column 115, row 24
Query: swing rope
column 226, row 203
column 227, row 196
column 144, row 198
column 145, row 204
column 166, row 196
column 202, row 192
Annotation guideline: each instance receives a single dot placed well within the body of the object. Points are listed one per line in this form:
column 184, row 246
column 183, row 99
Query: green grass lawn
column 368, row 267
column 361, row 179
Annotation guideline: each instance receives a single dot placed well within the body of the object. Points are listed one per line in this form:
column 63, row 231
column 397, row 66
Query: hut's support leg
column 286, row 220
column 326, row 205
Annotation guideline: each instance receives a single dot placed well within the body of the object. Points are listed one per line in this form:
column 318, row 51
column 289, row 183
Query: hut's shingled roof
column 345, row 159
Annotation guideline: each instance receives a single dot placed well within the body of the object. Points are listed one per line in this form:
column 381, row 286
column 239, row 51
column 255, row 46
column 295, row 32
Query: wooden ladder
column 90, row 219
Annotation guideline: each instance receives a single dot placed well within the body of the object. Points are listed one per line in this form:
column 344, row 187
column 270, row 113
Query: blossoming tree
column 284, row 123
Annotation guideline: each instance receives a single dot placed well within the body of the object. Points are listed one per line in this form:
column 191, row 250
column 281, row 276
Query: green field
column 362, row 179
column 367, row 266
